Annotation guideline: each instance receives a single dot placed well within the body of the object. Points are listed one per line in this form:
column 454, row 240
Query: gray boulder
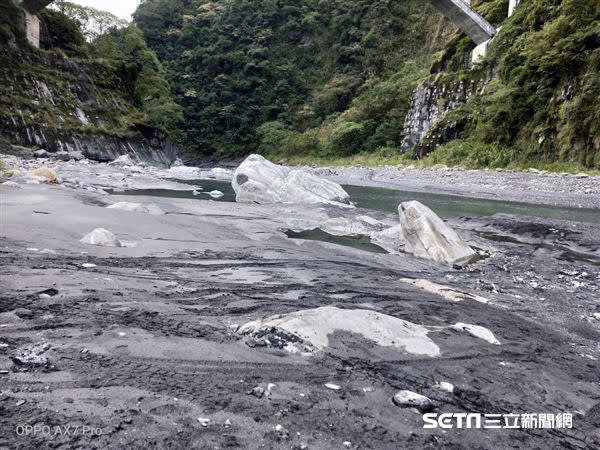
column 41, row 154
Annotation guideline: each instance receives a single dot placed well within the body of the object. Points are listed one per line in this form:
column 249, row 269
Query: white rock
column 313, row 327
column 88, row 266
column 137, row 207
column 123, row 160
column 392, row 239
column 444, row 386
column 182, row 173
column 11, row 184
column 444, row 291
column 219, row 174
column 476, row 331
column 204, row 421
column 298, row 225
column 342, row 226
column 129, row 206
column 45, row 174
column 332, row 386
column 216, row 194
column 409, row 398
column 257, row 180
column 427, row 236
column 101, row 237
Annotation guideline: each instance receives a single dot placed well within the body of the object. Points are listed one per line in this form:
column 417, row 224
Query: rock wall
column 433, row 100
column 50, row 102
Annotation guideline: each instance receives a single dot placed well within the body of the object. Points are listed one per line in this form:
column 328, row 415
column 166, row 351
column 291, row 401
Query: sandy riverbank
column 143, row 343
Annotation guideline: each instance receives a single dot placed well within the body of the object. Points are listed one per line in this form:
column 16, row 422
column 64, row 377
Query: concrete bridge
column 467, row 19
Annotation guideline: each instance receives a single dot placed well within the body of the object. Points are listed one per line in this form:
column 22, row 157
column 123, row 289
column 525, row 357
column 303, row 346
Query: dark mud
column 143, row 344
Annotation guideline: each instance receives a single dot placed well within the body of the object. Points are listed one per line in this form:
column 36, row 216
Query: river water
column 387, row 200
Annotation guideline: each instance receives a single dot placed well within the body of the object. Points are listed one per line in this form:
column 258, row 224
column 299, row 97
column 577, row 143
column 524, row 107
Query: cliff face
column 56, row 103
column 533, row 99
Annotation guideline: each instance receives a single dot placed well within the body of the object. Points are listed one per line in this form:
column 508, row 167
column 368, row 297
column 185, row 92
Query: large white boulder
column 309, row 330
column 258, row 180
column 427, row 236
column 102, row 238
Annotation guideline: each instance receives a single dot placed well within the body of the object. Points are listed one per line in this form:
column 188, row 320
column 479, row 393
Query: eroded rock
column 102, row 238
column 137, row 207
column 45, row 174
column 309, row 330
column 429, row 237
column 412, row 399
column 476, row 331
column 258, row 180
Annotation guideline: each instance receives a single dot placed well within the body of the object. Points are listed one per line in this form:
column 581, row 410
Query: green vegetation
column 327, row 80
column 12, row 23
column 543, row 108
column 251, row 75
column 113, row 85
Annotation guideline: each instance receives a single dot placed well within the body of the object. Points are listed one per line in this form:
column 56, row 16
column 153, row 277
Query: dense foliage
column 244, row 69
column 110, row 85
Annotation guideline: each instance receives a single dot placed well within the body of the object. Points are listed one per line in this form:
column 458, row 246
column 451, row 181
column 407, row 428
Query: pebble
column 333, row 387
column 3, row 371
column 88, row 266
column 204, row 421
column 227, row 423
column 445, row 386
column 347, row 444
column 409, row 398
column 258, row 392
column 20, row 402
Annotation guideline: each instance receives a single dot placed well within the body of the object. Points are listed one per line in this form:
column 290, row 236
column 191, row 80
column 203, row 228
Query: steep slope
column 534, row 100
column 336, row 78
column 104, row 100
column 286, row 65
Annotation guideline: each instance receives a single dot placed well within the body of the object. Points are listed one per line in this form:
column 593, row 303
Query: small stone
column 412, row 399
column 368, row 389
column 40, row 154
column 88, row 266
column 3, row 371
column 20, row 402
column 283, row 432
column 333, row 387
column 445, row 386
column 258, row 392
column 227, row 423
column 347, row 444
column 84, row 350
column 62, row 156
column 204, row 421
column 216, row 194
column 581, row 175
